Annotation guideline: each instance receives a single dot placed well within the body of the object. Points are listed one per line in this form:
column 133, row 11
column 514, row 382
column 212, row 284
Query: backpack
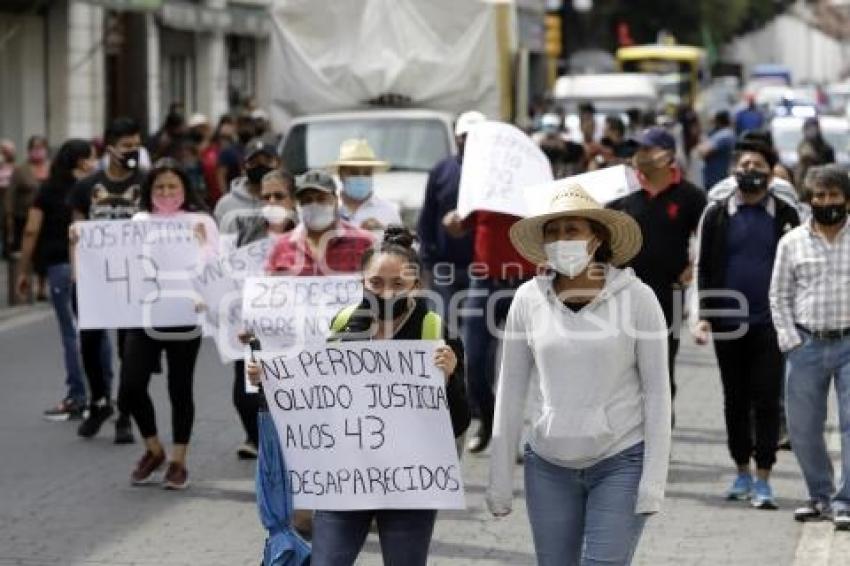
column 432, row 324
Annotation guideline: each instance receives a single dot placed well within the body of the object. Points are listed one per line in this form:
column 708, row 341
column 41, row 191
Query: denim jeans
column 479, row 342
column 61, row 297
column 810, row 370
column 404, row 534
column 584, row 517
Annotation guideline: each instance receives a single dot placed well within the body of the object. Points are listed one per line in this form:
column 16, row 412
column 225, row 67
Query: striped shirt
column 811, row 284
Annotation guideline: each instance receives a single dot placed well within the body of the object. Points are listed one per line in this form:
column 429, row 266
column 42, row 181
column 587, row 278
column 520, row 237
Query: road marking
column 24, row 320
column 815, row 544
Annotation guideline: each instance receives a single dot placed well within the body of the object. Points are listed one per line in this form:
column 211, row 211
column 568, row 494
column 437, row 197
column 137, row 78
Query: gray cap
column 318, row 180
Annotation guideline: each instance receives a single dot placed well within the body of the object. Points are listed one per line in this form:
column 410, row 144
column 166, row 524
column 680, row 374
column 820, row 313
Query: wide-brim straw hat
column 358, row 153
column 574, row 202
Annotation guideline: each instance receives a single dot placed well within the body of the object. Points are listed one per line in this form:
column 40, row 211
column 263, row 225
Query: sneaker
column 813, row 510
column 176, row 476
column 247, row 451
column 763, row 495
column 98, row 413
column 67, row 410
column 124, row 430
column 741, row 488
column 481, row 440
column 146, row 466
column 841, row 520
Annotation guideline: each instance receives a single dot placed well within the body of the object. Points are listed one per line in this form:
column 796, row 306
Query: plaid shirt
column 344, row 249
column 810, row 284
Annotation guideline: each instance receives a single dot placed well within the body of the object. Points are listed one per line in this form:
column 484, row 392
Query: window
column 241, row 70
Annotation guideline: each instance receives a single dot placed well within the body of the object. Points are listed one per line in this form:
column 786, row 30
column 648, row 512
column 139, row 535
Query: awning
column 237, row 20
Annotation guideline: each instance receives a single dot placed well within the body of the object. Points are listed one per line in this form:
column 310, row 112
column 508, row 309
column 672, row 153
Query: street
column 67, row 501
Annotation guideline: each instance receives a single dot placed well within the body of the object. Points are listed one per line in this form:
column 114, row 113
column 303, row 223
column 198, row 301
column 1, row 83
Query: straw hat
column 358, row 153
column 573, row 201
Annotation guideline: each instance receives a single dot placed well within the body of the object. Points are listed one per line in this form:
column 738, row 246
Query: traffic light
column 553, row 35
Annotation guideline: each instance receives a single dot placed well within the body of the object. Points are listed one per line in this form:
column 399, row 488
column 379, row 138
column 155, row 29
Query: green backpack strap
column 432, row 326
column 341, row 319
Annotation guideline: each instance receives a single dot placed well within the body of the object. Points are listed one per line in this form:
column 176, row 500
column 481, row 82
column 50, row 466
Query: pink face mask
column 37, row 154
column 167, row 204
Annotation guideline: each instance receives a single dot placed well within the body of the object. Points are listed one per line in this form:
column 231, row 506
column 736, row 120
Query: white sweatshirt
column 604, row 383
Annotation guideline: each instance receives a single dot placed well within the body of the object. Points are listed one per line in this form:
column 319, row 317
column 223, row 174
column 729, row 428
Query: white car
column 411, row 140
column 787, row 134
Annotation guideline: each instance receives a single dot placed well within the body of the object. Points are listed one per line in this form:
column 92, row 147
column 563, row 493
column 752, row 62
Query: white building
column 68, row 66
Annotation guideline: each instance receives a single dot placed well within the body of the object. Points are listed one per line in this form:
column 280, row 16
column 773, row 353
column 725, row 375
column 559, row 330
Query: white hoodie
column 603, row 380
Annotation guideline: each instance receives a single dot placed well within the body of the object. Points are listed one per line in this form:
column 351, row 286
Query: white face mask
column 568, row 257
column 277, row 215
column 316, row 216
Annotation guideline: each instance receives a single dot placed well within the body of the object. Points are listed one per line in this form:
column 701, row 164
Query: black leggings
column 91, row 351
column 247, row 404
column 751, row 369
column 141, row 355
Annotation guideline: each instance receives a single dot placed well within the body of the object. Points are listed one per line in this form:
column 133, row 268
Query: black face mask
column 830, row 215
column 751, row 181
column 386, row 308
column 256, row 173
column 130, row 160
column 196, row 136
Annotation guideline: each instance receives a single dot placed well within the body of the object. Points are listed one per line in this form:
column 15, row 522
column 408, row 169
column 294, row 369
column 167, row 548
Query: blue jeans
column 404, row 534
column 585, row 517
column 61, row 297
column 810, row 370
column 479, row 343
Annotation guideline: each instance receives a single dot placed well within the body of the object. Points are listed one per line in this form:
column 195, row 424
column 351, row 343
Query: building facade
column 68, row 66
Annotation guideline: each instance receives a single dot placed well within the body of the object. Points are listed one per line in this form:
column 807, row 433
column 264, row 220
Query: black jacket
column 711, row 269
column 412, row 330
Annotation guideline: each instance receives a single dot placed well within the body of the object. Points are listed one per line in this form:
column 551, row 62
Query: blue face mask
column 358, row 187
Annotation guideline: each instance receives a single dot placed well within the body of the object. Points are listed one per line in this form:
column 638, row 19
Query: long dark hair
column 191, row 202
column 69, row 155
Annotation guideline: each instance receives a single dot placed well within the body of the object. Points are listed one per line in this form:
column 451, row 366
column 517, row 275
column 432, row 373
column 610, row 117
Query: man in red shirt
column 322, row 243
column 497, row 270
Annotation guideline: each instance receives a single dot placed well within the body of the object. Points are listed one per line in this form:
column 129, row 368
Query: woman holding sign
column 389, row 311
column 167, row 193
column 596, row 458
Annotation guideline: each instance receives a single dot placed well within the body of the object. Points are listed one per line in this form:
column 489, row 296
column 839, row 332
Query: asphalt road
column 67, row 501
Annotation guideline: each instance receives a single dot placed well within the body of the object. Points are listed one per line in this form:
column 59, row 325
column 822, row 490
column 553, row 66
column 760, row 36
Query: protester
column 19, row 196
column 808, row 300
column 223, row 136
column 232, row 155
column 359, row 205
column 496, row 271
column 587, row 125
column 7, row 168
column 445, row 259
column 322, row 243
column 565, row 156
column 46, row 243
column 276, row 217
column 716, row 151
column 813, row 149
column 737, row 247
column 749, row 118
column 167, row 192
column 390, row 311
column 242, row 204
column 167, row 140
column 596, row 460
column 668, row 210
column 109, row 194
column 616, row 149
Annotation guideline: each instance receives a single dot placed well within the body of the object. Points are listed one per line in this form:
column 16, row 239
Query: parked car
column 787, row 134
column 412, row 140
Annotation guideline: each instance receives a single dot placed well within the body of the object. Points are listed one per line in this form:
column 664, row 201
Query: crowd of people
column 764, row 251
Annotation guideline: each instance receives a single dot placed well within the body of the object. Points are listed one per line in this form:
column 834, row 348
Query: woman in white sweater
column 596, row 458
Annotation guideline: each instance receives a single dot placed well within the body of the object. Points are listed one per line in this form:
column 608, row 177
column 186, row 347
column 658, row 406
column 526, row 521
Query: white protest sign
column 364, row 425
column 136, row 273
column 604, row 185
column 288, row 312
column 219, row 285
column 498, row 161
